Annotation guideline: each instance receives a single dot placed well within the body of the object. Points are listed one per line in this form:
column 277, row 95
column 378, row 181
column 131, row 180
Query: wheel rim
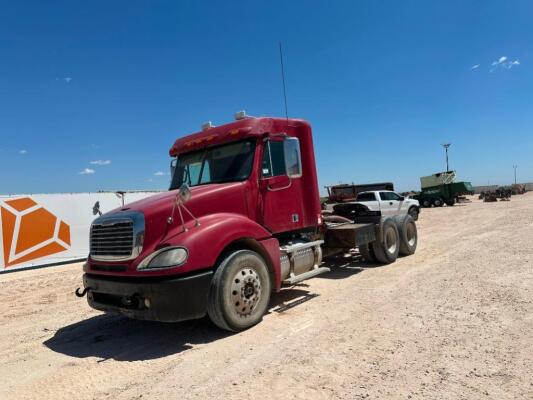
column 390, row 241
column 411, row 235
column 245, row 291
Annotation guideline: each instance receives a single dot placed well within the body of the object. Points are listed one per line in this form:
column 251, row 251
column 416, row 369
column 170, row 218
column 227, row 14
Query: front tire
column 413, row 212
column 240, row 291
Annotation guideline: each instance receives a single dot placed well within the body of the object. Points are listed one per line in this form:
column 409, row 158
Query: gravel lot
column 453, row 321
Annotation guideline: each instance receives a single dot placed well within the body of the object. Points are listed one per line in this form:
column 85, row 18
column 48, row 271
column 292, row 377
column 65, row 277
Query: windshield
column 229, row 162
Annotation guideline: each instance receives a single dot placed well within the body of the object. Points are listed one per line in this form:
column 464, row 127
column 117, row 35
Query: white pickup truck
column 388, row 203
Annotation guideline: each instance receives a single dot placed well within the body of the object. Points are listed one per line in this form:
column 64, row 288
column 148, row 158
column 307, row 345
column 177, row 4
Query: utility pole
column 515, row 167
column 446, row 145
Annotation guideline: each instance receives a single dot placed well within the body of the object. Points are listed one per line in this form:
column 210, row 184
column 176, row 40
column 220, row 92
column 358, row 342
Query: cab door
column 390, row 203
column 281, row 169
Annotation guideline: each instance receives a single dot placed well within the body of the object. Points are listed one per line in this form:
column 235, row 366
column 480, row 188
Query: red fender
column 206, row 242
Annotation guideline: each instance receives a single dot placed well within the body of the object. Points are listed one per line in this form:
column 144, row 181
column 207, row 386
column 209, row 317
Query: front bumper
column 165, row 300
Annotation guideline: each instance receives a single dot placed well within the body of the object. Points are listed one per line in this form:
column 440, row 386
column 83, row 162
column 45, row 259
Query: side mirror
column 293, row 158
column 402, row 198
column 184, row 193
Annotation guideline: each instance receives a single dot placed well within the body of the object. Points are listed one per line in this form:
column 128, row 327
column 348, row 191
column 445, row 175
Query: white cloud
column 87, row 171
column 23, row 151
column 159, row 173
column 100, row 162
column 505, row 63
column 67, row 79
column 475, row 66
column 501, row 60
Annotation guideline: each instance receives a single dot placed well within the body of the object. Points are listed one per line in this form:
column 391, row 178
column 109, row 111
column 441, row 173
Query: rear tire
column 386, row 251
column 240, row 291
column 426, row 203
column 437, row 202
column 408, row 236
column 450, row 203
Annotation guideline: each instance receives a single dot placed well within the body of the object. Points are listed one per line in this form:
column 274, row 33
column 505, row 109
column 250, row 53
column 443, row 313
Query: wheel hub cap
column 390, row 241
column 245, row 291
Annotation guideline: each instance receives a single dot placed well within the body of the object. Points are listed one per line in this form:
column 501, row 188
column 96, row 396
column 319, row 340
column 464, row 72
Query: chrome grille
column 113, row 239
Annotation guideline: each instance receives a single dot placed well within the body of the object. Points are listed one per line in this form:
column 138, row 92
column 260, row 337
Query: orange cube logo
column 30, row 231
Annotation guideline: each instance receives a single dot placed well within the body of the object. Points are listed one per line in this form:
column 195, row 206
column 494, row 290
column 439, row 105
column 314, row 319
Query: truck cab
column 241, row 219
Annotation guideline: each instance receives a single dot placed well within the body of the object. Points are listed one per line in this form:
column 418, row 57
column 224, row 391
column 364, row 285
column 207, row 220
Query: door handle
column 270, row 189
column 390, row 203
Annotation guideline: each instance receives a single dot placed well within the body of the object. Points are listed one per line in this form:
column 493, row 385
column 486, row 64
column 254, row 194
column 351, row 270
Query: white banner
column 43, row 229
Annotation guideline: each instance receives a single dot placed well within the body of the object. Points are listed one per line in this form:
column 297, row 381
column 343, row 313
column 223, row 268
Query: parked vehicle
column 503, row 193
column 518, row 188
column 345, row 192
column 241, row 220
column 386, row 202
column 441, row 188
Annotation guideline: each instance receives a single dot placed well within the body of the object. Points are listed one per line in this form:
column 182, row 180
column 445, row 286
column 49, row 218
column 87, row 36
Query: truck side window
column 366, row 197
column 273, row 163
column 389, row 196
column 394, row 196
column 384, row 196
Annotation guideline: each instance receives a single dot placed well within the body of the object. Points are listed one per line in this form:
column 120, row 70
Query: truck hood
column 205, row 200
column 164, row 201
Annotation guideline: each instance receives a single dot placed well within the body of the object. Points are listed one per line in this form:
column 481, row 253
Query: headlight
column 168, row 257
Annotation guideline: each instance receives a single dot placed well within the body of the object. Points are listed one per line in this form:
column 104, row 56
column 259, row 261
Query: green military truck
column 440, row 188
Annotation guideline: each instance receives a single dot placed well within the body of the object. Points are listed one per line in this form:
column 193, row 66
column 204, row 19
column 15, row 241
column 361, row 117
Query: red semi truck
column 241, row 220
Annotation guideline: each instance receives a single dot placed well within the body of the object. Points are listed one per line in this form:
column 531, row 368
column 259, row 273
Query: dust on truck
column 241, row 220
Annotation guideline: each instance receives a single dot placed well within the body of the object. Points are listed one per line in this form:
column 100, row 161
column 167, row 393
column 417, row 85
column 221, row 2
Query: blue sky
column 383, row 83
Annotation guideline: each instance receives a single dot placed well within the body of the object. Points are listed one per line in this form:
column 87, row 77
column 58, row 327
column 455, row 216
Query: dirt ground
column 453, row 321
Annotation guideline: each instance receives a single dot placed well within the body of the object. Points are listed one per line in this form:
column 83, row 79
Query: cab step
column 306, row 275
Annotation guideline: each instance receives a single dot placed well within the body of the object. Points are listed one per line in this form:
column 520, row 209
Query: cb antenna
column 283, row 80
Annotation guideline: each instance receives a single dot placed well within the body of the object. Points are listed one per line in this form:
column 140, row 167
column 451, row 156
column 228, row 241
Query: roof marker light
column 240, row 115
column 207, row 125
